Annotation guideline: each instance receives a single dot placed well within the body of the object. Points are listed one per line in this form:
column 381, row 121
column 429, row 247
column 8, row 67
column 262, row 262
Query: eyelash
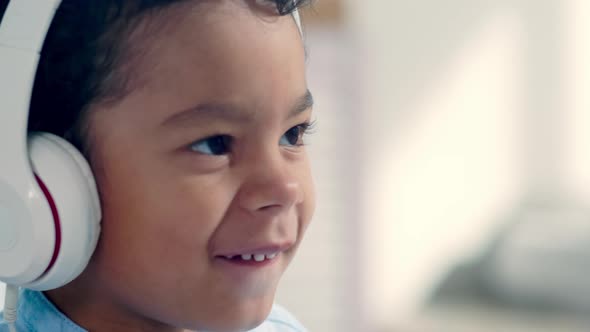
column 222, row 143
column 305, row 129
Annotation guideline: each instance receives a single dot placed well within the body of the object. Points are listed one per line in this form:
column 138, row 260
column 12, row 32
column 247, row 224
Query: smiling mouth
column 252, row 257
column 251, row 260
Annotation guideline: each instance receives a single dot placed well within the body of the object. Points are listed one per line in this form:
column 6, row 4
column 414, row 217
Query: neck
column 94, row 308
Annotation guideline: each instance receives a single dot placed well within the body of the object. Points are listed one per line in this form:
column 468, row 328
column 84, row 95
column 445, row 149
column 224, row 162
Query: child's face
column 175, row 203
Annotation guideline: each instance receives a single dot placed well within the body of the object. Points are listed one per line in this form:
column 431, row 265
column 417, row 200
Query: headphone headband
column 26, row 23
column 22, row 33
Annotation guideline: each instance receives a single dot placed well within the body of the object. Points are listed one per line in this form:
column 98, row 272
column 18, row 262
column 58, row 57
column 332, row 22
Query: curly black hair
column 85, row 59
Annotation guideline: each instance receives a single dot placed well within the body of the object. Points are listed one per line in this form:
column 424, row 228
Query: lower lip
column 251, row 263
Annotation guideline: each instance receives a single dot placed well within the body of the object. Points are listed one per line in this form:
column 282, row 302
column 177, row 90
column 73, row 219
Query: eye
column 294, row 136
column 214, row 145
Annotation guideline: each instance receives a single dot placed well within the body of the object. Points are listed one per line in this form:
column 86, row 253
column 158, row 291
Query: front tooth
column 246, row 257
column 271, row 256
column 259, row 257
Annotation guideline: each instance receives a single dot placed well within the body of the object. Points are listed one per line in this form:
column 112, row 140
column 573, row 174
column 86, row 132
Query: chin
column 250, row 317
column 238, row 318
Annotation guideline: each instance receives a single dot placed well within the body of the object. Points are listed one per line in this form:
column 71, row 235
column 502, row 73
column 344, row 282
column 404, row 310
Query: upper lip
column 267, row 248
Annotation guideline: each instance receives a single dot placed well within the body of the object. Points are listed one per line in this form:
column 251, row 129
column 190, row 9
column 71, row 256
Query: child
column 192, row 115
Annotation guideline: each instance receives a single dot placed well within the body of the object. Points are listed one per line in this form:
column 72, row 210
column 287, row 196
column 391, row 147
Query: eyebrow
column 231, row 112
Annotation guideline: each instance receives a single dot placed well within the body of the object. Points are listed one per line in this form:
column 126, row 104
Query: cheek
column 151, row 216
column 309, row 204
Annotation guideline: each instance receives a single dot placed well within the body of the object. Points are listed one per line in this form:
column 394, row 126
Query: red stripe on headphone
column 55, row 220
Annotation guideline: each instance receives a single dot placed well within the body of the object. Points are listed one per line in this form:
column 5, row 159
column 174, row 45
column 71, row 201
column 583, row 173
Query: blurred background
column 452, row 164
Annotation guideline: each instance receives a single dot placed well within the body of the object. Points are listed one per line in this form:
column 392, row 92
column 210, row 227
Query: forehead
column 221, row 42
column 222, row 52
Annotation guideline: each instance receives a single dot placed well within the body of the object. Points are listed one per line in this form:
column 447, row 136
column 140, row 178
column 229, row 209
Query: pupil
column 218, row 145
column 293, row 135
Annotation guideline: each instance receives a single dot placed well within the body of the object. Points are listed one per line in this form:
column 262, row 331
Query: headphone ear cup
column 69, row 181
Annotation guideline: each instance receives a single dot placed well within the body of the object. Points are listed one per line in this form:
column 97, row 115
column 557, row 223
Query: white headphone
column 49, row 206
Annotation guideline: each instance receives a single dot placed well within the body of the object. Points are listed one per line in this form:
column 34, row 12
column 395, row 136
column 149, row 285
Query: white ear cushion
column 71, row 184
column 82, row 164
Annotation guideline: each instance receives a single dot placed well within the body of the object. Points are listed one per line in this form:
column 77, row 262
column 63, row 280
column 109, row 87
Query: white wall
column 466, row 109
column 442, row 168
column 577, row 96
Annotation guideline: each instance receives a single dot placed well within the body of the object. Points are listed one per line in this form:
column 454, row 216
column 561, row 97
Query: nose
column 271, row 186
